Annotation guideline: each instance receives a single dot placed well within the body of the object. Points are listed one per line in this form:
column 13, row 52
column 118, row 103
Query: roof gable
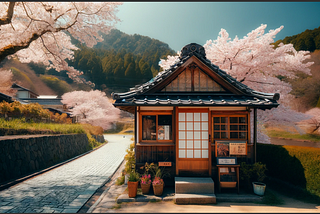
column 193, row 79
column 192, row 63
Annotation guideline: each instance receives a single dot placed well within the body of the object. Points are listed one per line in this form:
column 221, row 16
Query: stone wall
column 23, row 155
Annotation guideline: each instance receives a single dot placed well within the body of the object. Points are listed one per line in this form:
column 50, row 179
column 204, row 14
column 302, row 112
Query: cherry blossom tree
column 313, row 123
column 40, row 31
column 92, row 107
column 6, row 82
column 255, row 62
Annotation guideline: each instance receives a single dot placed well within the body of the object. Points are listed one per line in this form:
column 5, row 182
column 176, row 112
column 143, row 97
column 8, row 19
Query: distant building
column 6, row 98
column 23, row 92
column 26, row 96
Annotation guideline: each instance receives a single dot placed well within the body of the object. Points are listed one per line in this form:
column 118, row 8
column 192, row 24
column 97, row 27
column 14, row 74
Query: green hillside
column 121, row 60
column 309, row 40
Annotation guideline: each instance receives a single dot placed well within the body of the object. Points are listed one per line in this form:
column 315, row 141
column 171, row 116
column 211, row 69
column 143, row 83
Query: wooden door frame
column 193, row 110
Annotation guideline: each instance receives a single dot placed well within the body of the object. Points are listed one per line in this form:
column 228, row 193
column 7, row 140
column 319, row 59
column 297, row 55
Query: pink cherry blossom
column 92, row 107
column 39, row 31
column 255, row 62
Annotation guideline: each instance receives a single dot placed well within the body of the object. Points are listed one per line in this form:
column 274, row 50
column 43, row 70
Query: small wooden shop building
column 194, row 117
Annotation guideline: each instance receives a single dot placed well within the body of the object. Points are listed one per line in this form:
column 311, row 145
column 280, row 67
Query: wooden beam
column 255, row 133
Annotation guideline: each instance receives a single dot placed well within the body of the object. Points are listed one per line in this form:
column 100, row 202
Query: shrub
column 251, row 173
column 130, row 159
column 297, row 165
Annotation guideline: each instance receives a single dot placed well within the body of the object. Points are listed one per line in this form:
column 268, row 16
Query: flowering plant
column 157, row 181
column 145, row 179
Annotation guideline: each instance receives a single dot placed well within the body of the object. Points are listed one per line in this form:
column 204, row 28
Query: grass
column 284, row 134
column 56, row 128
column 117, row 206
column 121, row 127
column 120, row 180
column 17, row 124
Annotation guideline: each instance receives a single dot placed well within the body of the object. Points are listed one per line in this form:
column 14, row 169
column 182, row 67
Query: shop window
column 156, row 127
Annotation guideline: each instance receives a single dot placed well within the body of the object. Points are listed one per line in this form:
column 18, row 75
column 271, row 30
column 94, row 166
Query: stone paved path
column 65, row 189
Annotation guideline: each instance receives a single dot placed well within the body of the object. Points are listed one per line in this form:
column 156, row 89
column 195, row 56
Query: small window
column 156, row 127
column 230, row 127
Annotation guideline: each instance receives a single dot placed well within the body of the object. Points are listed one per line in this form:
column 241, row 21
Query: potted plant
column 145, row 180
column 133, row 183
column 259, row 175
column 157, row 183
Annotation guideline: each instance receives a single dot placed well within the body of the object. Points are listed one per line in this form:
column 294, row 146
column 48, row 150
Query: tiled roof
column 56, row 101
column 140, row 92
column 5, row 97
column 201, row 100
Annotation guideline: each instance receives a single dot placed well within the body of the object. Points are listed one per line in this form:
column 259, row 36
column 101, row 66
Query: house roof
column 20, row 88
column 5, row 97
column 55, row 101
column 238, row 94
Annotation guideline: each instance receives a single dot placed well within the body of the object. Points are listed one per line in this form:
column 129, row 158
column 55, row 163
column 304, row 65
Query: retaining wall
column 23, row 155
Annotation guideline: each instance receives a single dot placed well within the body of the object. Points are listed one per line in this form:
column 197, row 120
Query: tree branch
column 8, row 17
column 13, row 48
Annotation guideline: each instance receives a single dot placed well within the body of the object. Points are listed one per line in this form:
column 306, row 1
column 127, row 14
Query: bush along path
column 68, row 187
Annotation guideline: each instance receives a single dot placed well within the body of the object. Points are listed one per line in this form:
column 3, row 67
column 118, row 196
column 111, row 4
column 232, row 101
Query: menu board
column 239, row 148
column 227, row 148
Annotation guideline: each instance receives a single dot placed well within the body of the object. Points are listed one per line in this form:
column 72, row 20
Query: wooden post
column 255, row 133
column 135, row 134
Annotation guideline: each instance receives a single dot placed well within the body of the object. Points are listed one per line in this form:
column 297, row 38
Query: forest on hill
column 309, row 40
column 121, row 61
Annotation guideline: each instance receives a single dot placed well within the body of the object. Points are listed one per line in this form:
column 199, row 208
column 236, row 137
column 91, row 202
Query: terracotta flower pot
column 132, row 188
column 145, row 188
column 157, row 189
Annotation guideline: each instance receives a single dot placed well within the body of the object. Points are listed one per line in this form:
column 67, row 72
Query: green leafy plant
column 252, row 172
column 134, row 176
column 158, row 171
column 120, row 180
column 130, row 159
column 259, row 171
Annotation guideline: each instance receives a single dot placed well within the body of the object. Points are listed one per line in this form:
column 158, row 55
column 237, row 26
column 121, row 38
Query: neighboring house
column 23, row 92
column 50, row 102
column 194, row 117
column 6, row 98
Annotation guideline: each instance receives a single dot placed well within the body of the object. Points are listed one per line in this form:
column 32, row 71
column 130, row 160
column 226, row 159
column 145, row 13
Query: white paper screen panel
column 193, row 135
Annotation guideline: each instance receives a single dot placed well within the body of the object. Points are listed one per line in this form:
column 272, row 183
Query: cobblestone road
column 66, row 188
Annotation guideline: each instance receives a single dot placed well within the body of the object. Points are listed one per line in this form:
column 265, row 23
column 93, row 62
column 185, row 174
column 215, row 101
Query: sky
column 181, row 23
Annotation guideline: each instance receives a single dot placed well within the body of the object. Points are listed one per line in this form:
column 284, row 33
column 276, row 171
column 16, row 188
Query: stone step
column 194, row 185
column 195, row 199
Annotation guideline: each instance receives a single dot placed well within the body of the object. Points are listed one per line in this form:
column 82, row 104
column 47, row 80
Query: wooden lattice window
column 230, row 127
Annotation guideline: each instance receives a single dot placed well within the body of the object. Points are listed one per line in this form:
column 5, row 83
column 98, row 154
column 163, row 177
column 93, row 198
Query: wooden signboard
column 227, row 161
column 164, row 163
column 238, row 148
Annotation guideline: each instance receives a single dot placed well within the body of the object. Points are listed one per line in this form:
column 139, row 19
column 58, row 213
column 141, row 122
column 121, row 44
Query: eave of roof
column 195, row 101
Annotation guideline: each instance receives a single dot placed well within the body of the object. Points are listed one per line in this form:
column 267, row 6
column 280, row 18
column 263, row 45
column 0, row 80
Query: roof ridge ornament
column 193, row 49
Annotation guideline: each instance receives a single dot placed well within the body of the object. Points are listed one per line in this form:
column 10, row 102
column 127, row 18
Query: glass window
column 157, row 127
column 230, row 127
column 149, row 127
